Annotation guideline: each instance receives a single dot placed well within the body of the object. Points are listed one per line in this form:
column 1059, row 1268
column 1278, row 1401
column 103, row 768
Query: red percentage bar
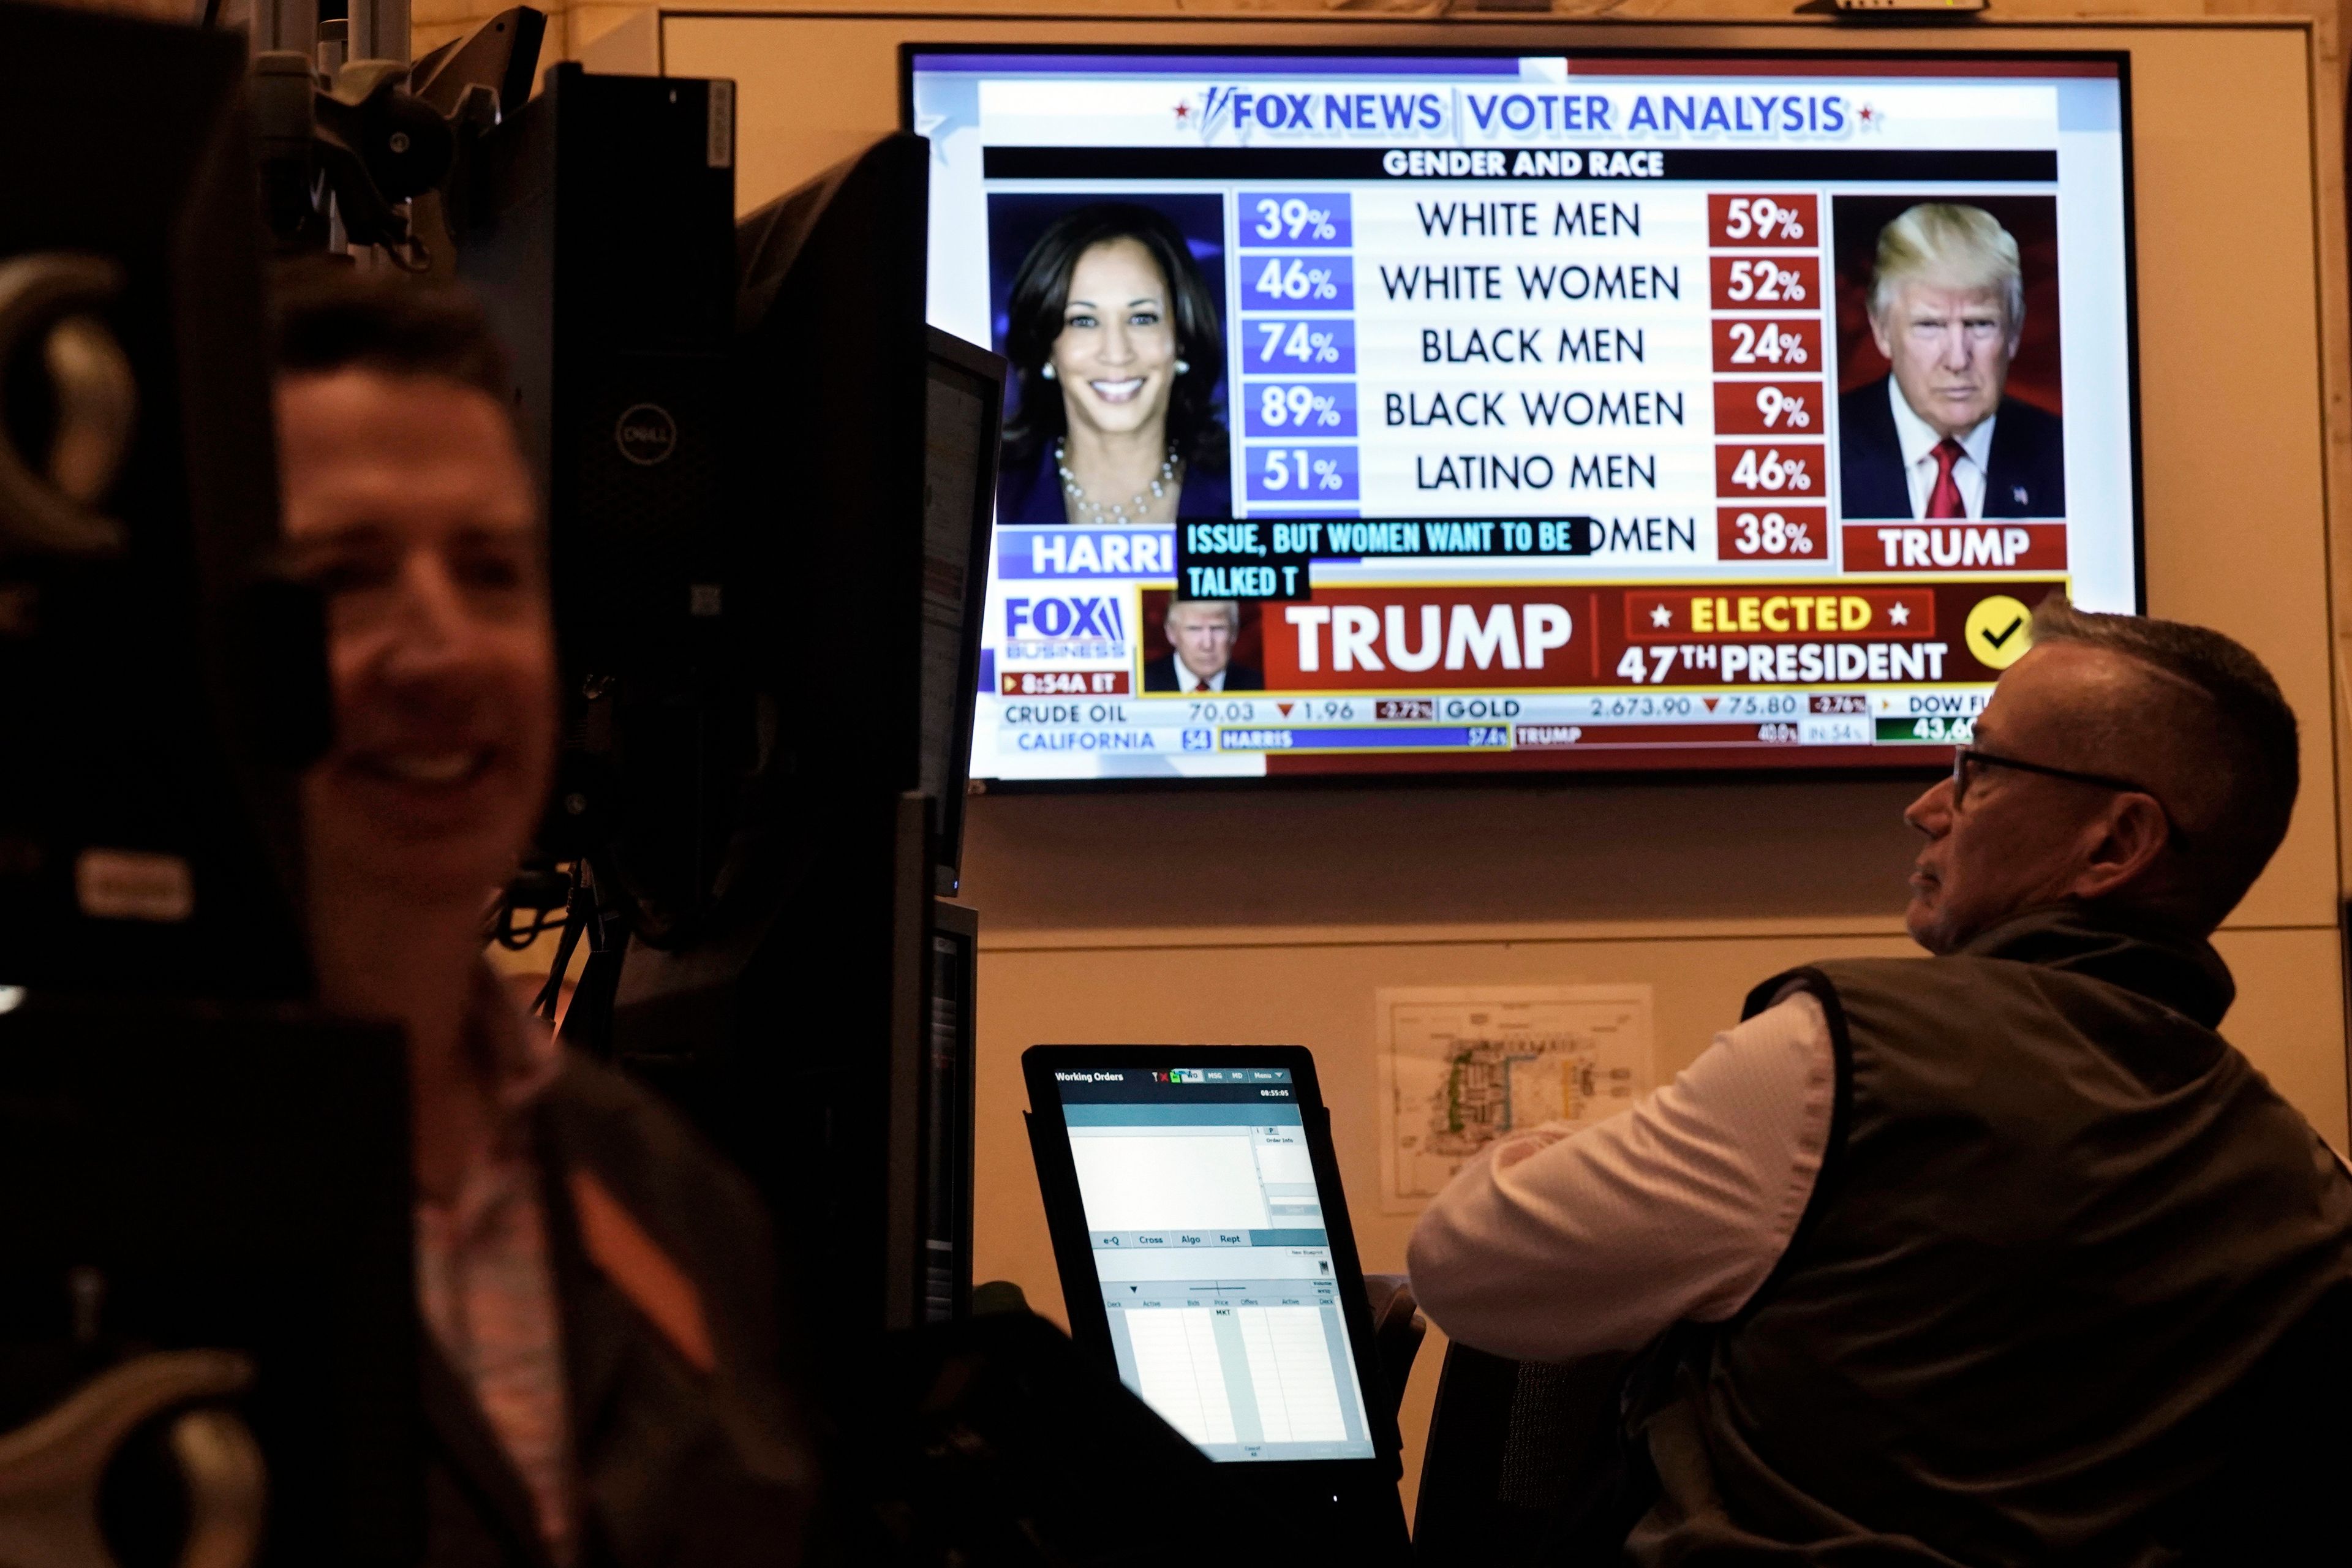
column 1766, row 282
column 1768, row 407
column 1767, row 346
column 1784, row 221
column 1762, row 532
column 1785, row 470
column 1602, row 737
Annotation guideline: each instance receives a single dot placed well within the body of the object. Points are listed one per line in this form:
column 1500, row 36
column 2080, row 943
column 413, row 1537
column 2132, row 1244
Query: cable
column 579, row 909
column 540, row 887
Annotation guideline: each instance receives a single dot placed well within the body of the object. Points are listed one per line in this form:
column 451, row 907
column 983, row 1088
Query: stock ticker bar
column 1491, row 671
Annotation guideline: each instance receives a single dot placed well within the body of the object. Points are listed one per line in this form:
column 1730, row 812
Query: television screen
column 1377, row 412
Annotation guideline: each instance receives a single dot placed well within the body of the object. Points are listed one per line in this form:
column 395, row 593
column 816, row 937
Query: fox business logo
column 1076, row 626
column 1059, row 618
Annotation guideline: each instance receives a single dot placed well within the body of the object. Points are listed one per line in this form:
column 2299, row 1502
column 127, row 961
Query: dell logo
column 647, row 434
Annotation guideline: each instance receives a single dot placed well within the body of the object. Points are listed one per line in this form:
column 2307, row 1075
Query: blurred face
column 1116, row 359
column 1950, row 348
column 408, row 501
column 1203, row 637
column 2018, row 840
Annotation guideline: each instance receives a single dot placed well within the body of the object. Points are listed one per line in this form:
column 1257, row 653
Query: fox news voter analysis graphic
column 1388, row 413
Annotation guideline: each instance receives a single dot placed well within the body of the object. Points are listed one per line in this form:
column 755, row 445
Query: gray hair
column 2221, row 709
column 1949, row 243
column 1232, row 607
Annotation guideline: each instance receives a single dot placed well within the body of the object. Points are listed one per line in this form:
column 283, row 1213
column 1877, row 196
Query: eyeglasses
column 1965, row 758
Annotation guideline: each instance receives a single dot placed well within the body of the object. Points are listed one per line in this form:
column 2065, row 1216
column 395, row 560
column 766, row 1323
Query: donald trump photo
column 1200, row 636
column 1940, row 437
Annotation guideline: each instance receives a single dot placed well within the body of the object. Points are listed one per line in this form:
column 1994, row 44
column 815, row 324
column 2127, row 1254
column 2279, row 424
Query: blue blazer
column 2025, row 472
column 1034, row 494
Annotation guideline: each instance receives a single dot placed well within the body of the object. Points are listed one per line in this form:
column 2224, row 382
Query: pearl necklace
column 1095, row 512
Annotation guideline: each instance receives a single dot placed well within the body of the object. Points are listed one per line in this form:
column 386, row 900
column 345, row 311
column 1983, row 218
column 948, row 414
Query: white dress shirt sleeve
column 1560, row 1243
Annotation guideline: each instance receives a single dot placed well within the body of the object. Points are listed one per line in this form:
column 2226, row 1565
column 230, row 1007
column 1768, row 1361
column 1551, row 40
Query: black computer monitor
column 799, row 1026
column 229, row 1183
column 835, row 391
column 963, row 413
column 860, row 416
column 854, row 579
column 152, row 679
column 191, row 1165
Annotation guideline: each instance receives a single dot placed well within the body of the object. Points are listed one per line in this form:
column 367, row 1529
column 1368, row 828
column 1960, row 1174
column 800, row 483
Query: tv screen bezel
column 1919, row 764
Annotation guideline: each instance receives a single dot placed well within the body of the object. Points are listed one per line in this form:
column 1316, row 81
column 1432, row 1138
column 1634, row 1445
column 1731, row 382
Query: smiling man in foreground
column 600, row 1362
column 2003, row 1257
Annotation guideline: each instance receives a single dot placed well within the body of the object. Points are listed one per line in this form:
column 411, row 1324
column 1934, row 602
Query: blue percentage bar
column 1304, row 218
column 1302, row 473
column 1274, row 280
column 1322, row 409
column 1287, row 345
column 1403, row 737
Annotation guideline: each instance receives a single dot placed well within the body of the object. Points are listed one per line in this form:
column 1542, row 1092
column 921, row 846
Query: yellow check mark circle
column 1998, row 632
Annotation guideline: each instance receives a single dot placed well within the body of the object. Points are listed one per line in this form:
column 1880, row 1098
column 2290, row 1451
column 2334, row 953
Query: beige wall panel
column 1825, row 857
column 2281, row 974
column 809, row 92
column 2230, row 395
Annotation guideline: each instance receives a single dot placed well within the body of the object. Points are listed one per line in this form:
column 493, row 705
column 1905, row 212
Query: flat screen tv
column 1378, row 413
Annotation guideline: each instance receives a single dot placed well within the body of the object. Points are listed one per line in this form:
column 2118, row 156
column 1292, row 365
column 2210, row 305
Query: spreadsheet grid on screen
column 1553, row 416
column 1205, row 1225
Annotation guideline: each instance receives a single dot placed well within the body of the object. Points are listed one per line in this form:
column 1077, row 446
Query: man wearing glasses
column 2006, row 1256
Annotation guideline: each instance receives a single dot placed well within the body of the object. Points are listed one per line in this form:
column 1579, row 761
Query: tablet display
column 1205, row 1222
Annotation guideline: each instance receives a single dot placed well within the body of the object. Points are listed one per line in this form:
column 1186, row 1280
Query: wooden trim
column 1572, row 13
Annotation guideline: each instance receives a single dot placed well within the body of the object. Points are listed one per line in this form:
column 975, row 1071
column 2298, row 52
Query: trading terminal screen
column 1206, row 1224
column 1531, row 412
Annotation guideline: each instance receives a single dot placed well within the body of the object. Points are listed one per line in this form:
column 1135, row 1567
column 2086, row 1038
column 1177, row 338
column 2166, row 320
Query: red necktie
column 1944, row 501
